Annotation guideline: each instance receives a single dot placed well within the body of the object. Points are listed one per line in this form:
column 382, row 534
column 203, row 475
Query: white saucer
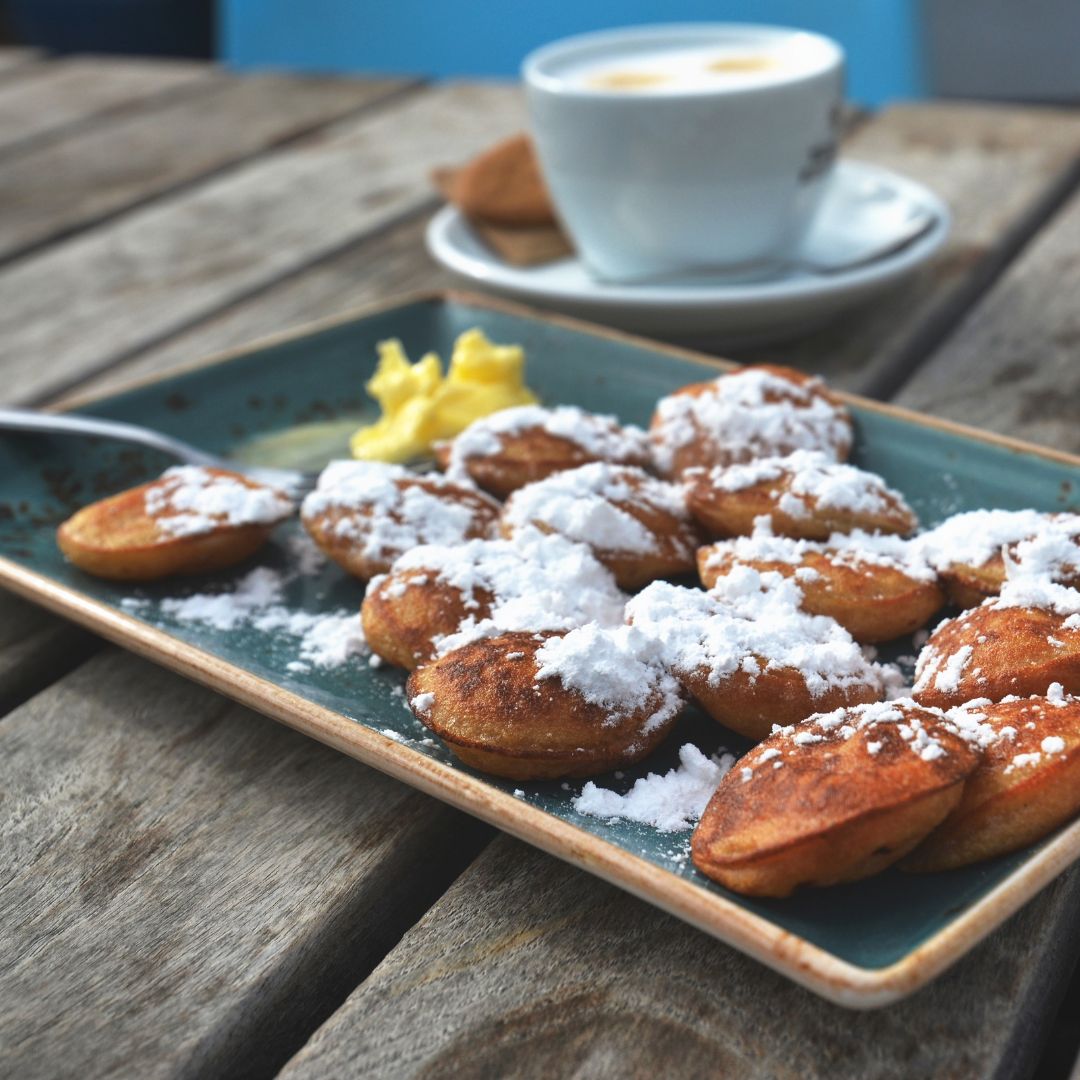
column 708, row 310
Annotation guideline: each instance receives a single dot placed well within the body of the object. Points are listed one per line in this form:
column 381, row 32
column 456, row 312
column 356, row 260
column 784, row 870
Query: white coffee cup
column 661, row 162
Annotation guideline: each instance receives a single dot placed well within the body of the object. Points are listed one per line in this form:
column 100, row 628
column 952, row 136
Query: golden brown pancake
column 1027, row 782
column 998, row 649
column 835, row 798
column 872, row 585
column 635, row 524
column 804, row 495
column 763, row 411
column 364, row 514
column 499, row 707
column 191, row 520
column 515, row 447
column 749, row 656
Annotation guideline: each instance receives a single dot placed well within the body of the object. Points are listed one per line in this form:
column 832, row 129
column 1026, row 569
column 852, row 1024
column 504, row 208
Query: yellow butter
column 421, row 407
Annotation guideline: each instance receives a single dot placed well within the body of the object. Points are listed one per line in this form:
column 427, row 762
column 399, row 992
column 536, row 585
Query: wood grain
column 528, row 968
column 99, row 172
column 36, row 649
column 394, row 261
column 177, row 262
column 1012, row 365
column 62, row 93
column 186, row 886
column 1000, row 169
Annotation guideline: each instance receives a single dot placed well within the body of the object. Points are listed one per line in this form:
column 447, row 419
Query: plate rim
column 812, row 966
column 720, row 298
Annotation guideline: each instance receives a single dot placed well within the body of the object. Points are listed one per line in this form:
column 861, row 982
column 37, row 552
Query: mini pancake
column 437, row 598
column 543, row 706
column 364, row 514
column 804, row 495
column 763, row 411
column 1018, row 643
column 1026, row 785
column 191, row 520
column 509, row 449
column 969, row 550
column 634, row 524
column 749, row 656
column 873, row 585
column 836, row 798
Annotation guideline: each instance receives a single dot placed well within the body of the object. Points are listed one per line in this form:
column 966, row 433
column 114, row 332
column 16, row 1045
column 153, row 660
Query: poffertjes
column 365, row 514
column 763, row 411
column 838, row 797
column 749, row 656
column 437, row 598
column 875, row 586
column 635, row 524
column 803, row 495
column 191, row 520
column 1018, row 643
column 543, row 706
column 1027, row 782
column 969, row 551
column 515, row 447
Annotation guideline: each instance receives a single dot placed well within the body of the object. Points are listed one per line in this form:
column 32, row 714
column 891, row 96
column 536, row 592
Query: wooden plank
column 392, row 262
column 172, row 264
column 1012, row 365
column 100, row 172
column 17, row 60
column 64, row 93
column 36, row 649
column 527, row 967
column 1001, row 170
column 185, row 887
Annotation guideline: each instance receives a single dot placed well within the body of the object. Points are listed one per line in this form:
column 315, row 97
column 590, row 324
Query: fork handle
column 67, row 424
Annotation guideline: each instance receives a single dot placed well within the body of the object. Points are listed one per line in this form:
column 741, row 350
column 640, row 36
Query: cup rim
column 534, row 75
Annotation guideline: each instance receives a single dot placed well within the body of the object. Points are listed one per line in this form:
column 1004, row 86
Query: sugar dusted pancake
column 1017, row 643
column 365, row 514
column 836, row 798
column 1027, row 782
column 750, row 656
column 804, row 495
column 515, row 447
column 635, row 524
column 875, row 585
column 762, row 411
column 544, row 706
column 437, row 598
column 191, row 520
column 969, row 550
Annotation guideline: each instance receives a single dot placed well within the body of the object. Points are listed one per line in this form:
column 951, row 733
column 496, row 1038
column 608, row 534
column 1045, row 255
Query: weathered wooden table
column 189, row 889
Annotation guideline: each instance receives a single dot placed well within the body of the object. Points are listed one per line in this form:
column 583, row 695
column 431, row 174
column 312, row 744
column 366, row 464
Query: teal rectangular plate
column 861, row 945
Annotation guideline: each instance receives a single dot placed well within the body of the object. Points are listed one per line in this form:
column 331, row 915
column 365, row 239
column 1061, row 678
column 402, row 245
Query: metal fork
column 295, row 482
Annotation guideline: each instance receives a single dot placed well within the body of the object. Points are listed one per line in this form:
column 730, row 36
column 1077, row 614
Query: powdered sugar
column 812, row 480
column 618, row 669
column 750, row 413
column 669, row 803
column 537, row 582
column 394, row 509
column 581, row 504
column 752, row 622
column 857, row 549
column 1034, row 592
column 189, row 500
column 599, row 436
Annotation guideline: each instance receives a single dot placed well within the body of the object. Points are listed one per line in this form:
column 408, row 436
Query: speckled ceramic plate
column 861, row 945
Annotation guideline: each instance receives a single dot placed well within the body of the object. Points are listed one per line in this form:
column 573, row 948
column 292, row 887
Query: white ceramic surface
column 710, row 177
column 713, row 312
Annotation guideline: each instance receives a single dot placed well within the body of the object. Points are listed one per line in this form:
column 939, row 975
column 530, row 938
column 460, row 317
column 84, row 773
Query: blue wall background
column 445, row 38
